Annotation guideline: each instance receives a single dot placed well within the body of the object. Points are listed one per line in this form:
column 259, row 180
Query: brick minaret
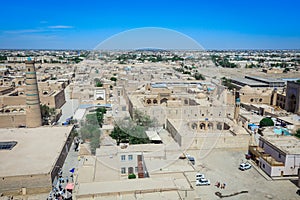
column 33, row 110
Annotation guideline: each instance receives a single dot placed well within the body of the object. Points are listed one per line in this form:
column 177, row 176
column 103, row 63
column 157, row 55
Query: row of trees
column 91, row 128
column 199, row 76
column 223, row 61
column 227, row 82
column 47, row 113
column 148, row 57
column 133, row 131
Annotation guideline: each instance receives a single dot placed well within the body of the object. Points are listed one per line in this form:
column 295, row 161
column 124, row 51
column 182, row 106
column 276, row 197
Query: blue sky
column 214, row 24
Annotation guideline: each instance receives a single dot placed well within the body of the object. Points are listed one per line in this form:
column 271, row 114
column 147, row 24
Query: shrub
column 297, row 134
column 131, row 176
column 266, row 122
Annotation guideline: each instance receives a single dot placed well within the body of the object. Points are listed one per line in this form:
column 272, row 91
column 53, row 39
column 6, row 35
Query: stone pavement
column 70, row 162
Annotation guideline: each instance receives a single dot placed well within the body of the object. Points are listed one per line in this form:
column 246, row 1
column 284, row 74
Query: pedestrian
column 67, row 180
column 224, row 184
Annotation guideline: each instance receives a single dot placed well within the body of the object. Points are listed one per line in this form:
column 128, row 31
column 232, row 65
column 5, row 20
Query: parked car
column 190, row 158
column 202, row 181
column 245, row 166
column 199, row 176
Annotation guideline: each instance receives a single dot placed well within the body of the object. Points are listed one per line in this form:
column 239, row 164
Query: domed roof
column 201, row 96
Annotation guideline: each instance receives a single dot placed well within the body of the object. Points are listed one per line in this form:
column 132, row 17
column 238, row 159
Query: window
column 123, row 170
column 130, row 157
column 130, row 170
column 7, row 145
column 123, row 157
column 136, row 169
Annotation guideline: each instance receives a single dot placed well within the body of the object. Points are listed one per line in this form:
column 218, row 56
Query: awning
column 69, row 186
column 153, row 136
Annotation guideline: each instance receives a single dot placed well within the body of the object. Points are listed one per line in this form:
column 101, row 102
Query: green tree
column 119, row 135
column 297, row 134
column 90, row 131
column 113, row 79
column 199, row 76
column 131, row 131
column 227, row 82
column 97, row 82
column 95, row 142
column 92, row 119
column 142, row 119
column 100, row 115
column 138, row 135
column 266, row 122
column 45, row 111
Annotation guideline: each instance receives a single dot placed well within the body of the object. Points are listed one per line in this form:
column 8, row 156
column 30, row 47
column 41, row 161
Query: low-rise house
column 278, row 155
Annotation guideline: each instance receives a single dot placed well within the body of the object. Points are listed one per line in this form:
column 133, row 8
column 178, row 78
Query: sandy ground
column 222, row 165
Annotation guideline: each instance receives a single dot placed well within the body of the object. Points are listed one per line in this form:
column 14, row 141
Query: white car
column 202, row 181
column 245, row 166
column 199, row 176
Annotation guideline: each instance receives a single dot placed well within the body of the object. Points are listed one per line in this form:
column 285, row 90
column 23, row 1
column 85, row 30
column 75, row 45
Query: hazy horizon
column 215, row 25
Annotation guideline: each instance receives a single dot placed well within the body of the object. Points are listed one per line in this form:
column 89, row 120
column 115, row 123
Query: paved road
column 70, row 107
column 70, row 162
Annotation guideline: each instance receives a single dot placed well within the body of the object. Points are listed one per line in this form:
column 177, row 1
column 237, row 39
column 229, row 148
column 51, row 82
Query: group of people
column 219, row 185
column 58, row 192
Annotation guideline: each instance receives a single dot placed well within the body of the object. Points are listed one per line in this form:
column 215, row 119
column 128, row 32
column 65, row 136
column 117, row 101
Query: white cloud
column 60, row 27
column 24, row 31
column 37, row 30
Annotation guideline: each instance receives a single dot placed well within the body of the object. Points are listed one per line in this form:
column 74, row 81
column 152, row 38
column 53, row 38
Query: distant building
column 257, row 82
column 274, row 70
column 293, row 97
column 255, row 96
